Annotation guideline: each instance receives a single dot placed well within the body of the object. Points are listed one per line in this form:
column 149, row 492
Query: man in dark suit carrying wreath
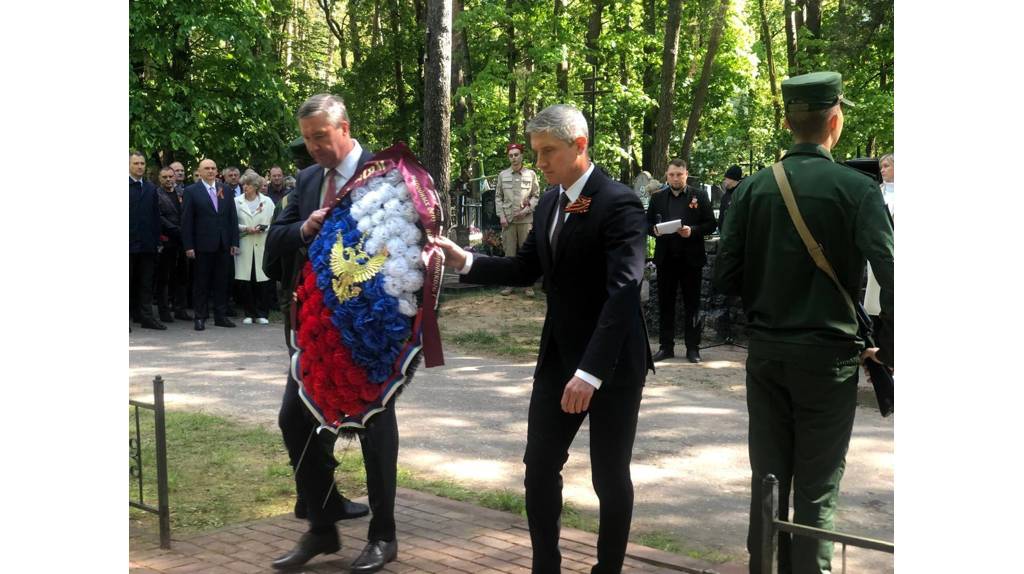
column 588, row 244
column 324, row 122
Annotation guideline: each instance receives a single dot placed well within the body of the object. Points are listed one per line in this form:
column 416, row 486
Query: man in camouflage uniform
column 805, row 351
column 515, row 198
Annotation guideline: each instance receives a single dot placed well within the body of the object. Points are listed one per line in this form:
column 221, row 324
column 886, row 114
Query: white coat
column 251, row 245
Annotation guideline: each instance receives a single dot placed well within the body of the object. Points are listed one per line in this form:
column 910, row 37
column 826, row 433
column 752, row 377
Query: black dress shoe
column 166, row 317
column 663, row 354
column 153, row 324
column 309, row 546
column 200, row 324
column 223, row 322
column 349, row 510
column 183, row 315
column 376, row 554
column 693, row 355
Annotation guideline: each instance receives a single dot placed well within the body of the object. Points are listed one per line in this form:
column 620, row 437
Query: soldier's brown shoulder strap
column 813, row 247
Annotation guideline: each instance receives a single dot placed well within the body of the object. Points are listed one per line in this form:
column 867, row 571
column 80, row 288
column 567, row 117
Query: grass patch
column 220, row 472
column 484, row 322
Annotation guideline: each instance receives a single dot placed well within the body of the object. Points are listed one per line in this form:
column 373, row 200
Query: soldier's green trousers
column 801, row 416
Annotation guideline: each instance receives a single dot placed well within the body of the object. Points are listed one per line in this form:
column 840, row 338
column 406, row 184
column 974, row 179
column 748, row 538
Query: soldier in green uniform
column 804, row 353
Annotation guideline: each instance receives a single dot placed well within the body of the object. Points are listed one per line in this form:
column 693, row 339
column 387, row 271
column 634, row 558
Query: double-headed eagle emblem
column 351, row 266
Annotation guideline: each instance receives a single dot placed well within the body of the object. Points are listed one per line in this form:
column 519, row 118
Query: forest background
column 656, row 78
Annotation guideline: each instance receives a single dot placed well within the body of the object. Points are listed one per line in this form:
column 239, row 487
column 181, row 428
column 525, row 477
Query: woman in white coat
column 255, row 212
column 888, row 188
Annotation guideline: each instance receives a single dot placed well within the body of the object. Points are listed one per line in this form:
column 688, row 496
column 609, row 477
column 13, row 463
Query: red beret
column 513, row 146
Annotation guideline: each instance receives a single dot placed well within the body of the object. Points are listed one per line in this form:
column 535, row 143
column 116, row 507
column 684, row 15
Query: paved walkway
column 467, row 421
column 434, row 535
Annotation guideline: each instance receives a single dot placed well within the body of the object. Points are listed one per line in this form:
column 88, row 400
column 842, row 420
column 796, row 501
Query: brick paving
column 434, row 535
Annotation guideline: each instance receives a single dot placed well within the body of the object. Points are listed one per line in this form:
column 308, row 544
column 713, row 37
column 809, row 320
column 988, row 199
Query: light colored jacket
column 516, row 191
column 251, row 245
column 874, row 291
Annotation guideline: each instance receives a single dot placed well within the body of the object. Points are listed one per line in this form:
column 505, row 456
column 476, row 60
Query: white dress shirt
column 346, row 169
column 573, row 194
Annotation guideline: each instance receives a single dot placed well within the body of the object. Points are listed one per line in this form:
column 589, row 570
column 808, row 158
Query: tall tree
column 590, row 81
column 701, row 92
column 663, row 127
column 562, row 71
column 650, row 48
column 766, row 41
column 791, row 36
column 512, row 57
column 436, row 151
column 337, row 30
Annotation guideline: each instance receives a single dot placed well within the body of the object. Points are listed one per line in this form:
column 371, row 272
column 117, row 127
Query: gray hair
column 560, row 120
column 328, row 104
column 289, row 181
column 251, row 178
column 887, row 156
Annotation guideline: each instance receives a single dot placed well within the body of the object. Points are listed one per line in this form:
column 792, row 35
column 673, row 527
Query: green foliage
column 223, row 79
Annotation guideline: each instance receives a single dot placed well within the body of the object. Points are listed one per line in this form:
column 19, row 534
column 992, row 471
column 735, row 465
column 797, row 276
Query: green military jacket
column 794, row 310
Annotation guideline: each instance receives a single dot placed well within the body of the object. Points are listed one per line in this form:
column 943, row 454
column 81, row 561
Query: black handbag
column 879, row 374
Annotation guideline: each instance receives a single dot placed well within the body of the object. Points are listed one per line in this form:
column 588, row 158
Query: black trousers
column 312, row 457
column 141, row 267
column 673, row 273
column 172, row 278
column 255, row 295
column 613, row 416
column 211, row 279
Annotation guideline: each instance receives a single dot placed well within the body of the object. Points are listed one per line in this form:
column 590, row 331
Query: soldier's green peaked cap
column 814, row 91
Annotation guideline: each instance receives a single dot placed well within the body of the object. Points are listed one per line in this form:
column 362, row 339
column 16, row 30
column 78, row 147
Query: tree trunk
column 625, row 129
column 529, row 100
column 436, row 146
column 766, row 39
column 337, row 30
column 377, row 38
column 562, row 73
column 668, row 89
column 701, row 93
column 650, row 27
column 462, row 75
column 590, row 82
column 790, row 13
column 353, row 32
column 401, row 105
column 511, row 55
column 870, row 151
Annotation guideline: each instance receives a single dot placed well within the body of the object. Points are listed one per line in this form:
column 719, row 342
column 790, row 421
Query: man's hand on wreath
column 454, row 256
column 577, row 395
column 313, row 223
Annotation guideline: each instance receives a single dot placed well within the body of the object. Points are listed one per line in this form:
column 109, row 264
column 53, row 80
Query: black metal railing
column 162, row 509
column 771, row 525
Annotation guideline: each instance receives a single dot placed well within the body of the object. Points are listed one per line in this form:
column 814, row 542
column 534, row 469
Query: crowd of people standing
column 200, row 244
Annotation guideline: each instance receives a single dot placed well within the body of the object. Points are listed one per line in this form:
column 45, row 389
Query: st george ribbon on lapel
column 563, row 200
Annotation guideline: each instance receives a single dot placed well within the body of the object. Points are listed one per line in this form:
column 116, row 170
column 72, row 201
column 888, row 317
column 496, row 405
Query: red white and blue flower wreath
column 367, row 293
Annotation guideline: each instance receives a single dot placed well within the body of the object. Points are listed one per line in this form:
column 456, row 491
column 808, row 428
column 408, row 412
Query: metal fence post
column 769, row 494
column 161, row 462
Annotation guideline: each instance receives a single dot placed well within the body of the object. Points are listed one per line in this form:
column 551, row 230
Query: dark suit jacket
column 594, row 321
column 204, row 229
column 701, row 219
column 283, row 238
column 143, row 217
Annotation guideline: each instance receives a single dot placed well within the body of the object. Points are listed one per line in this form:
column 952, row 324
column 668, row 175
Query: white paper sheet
column 669, row 226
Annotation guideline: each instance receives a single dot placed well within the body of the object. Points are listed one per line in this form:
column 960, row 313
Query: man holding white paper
column 679, row 216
